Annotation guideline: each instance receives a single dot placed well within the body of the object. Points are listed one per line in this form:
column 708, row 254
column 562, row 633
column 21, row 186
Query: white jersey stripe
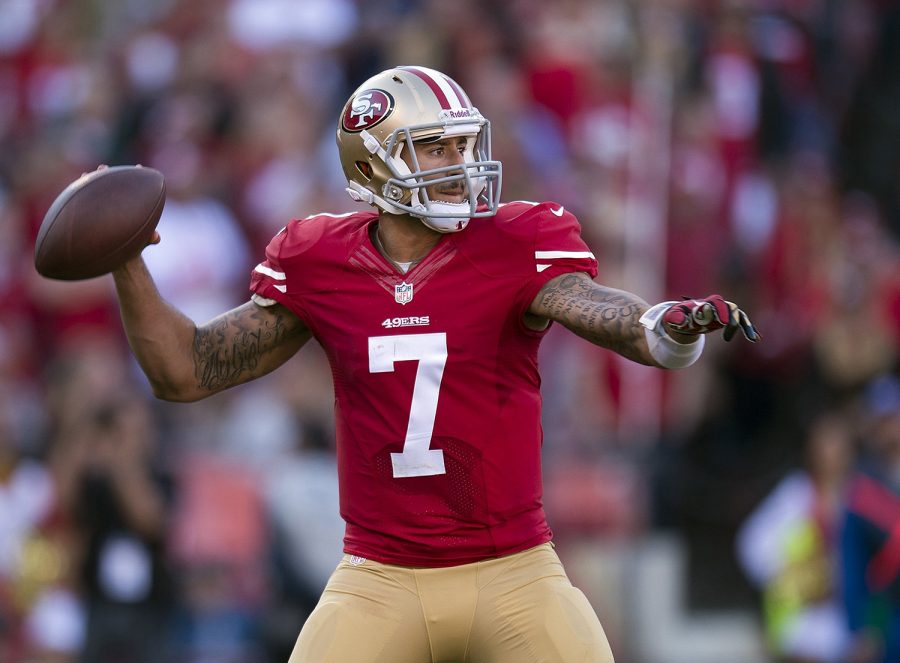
column 550, row 255
column 268, row 271
column 446, row 88
column 333, row 216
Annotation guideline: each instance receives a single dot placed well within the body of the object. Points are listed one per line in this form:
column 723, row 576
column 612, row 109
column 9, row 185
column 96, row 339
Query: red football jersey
column 437, row 392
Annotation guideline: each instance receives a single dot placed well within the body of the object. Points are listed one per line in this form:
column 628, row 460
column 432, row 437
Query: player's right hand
column 702, row 316
column 154, row 238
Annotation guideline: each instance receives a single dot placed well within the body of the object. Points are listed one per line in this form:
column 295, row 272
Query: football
column 98, row 222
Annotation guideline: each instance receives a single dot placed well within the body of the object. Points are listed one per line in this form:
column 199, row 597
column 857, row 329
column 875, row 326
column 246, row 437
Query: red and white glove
column 702, row 316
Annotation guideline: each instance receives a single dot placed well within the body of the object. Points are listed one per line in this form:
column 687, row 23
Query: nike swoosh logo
column 558, row 212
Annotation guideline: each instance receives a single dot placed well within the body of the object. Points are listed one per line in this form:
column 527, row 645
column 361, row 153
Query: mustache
column 454, row 187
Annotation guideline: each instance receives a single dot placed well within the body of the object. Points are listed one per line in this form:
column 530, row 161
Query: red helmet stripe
column 438, row 92
column 463, row 98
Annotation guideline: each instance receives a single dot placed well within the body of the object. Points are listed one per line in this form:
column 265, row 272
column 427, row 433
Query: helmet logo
column 367, row 109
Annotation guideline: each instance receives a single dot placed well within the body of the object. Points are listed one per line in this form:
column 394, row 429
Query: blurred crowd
column 748, row 147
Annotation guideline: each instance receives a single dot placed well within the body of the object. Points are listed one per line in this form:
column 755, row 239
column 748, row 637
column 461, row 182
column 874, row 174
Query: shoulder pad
column 301, row 235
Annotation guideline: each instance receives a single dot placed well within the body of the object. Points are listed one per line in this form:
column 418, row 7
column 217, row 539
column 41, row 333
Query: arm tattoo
column 229, row 349
column 605, row 316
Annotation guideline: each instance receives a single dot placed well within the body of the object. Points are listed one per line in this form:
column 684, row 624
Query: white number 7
column 430, row 350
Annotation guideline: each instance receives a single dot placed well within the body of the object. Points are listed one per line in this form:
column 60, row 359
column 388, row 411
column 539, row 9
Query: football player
column 430, row 309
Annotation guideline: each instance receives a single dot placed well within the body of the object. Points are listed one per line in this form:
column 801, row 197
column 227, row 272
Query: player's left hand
column 702, row 316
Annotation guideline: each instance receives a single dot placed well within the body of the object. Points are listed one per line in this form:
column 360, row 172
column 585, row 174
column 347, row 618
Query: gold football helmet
column 391, row 111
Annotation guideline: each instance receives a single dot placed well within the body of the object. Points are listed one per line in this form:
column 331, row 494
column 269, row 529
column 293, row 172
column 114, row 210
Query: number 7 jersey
column 437, row 391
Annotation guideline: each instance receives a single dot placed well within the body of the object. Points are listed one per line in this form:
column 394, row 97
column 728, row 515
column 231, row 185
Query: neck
column 403, row 238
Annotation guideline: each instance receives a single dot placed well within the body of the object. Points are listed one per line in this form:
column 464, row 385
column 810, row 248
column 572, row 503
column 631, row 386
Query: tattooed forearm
column 232, row 348
column 604, row 316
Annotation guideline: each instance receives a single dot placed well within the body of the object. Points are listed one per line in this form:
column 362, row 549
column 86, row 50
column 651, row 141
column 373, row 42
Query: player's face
column 439, row 154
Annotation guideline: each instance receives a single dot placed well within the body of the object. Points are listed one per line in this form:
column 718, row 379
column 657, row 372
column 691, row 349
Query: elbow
column 175, row 397
column 174, row 393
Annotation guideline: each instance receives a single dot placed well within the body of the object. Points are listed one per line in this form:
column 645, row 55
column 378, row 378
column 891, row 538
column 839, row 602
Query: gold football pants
column 515, row 609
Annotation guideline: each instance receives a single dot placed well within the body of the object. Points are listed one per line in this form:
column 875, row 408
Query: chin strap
column 445, row 224
column 362, row 195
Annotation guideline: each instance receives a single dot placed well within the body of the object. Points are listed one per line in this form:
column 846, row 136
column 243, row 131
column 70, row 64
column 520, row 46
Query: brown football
column 100, row 221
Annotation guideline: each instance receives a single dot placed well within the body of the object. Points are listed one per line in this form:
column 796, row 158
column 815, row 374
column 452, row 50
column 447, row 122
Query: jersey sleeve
column 558, row 249
column 268, row 281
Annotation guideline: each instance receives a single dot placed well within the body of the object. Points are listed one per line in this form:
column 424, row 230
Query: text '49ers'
column 413, row 321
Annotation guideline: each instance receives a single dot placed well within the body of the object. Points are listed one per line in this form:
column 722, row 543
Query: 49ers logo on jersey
column 412, row 321
column 367, row 109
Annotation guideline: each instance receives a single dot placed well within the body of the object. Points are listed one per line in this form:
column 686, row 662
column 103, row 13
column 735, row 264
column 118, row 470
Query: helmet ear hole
column 364, row 169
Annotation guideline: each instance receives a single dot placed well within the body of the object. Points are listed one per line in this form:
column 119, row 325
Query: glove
column 702, row 316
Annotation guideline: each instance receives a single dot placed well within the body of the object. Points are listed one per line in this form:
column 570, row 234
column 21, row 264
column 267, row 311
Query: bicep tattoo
column 241, row 345
column 605, row 316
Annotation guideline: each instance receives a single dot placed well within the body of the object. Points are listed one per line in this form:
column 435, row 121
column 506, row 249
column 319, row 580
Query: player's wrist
column 129, row 268
column 677, row 350
column 678, row 336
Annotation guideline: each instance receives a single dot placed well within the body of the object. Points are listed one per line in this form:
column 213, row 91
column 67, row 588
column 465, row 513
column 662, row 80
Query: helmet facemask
column 478, row 174
column 405, row 191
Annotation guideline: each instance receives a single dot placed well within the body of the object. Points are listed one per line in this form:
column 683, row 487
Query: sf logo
column 364, row 109
column 367, row 109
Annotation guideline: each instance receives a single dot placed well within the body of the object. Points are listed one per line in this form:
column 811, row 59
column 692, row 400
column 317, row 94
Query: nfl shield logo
column 403, row 293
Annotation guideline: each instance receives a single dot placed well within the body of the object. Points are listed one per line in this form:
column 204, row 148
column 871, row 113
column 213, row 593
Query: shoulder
column 528, row 213
column 524, row 221
column 795, row 489
column 548, row 226
column 319, row 232
column 790, row 501
column 526, row 237
column 792, row 495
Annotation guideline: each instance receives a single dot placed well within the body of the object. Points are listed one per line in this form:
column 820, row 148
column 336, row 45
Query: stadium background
column 745, row 147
